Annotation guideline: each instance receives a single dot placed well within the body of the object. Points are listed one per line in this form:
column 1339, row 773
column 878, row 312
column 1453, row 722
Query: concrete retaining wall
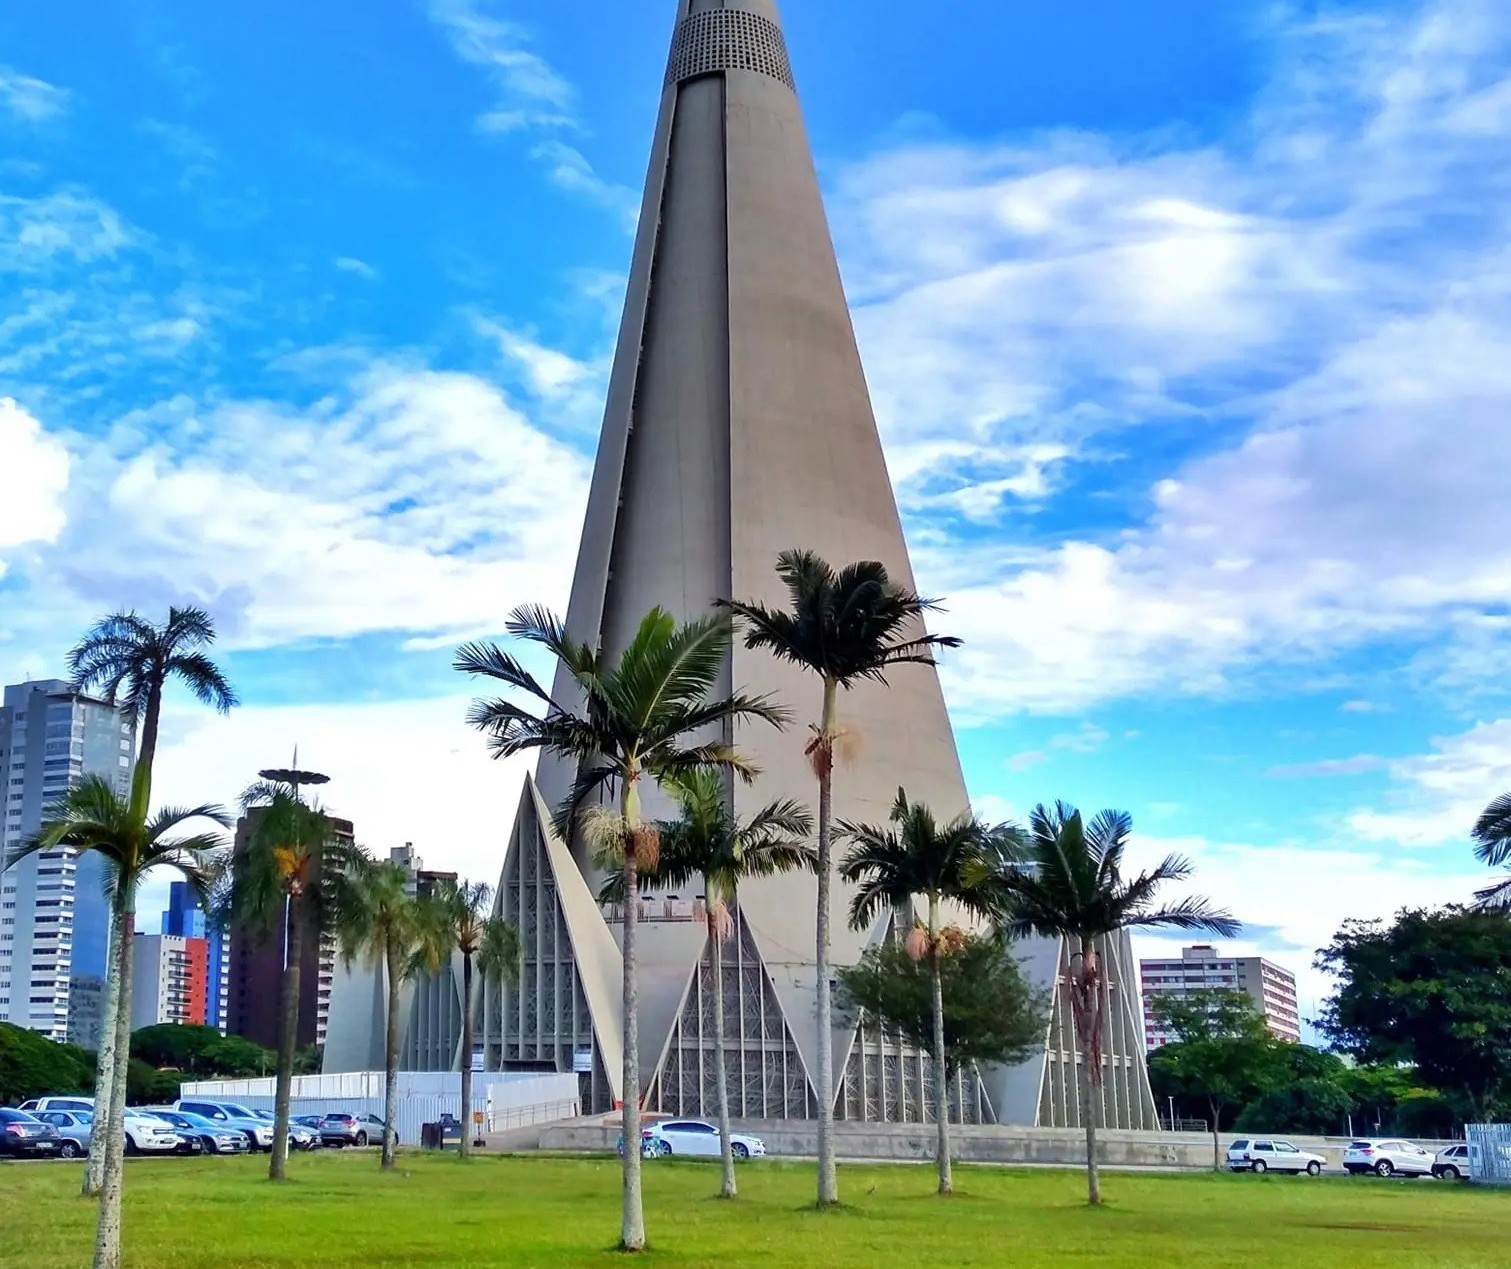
column 1002, row 1144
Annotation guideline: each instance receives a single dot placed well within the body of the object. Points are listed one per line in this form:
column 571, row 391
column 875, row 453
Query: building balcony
column 672, row 909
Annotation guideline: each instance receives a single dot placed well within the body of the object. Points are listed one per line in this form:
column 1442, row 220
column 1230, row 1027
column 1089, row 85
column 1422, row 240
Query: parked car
column 1452, row 1164
column 342, row 1129
column 302, row 1136
column 74, row 1103
column 23, row 1135
column 259, row 1134
column 213, row 1138
column 1387, row 1156
column 146, row 1134
column 694, row 1137
column 75, row 1129
column 1272, row 1154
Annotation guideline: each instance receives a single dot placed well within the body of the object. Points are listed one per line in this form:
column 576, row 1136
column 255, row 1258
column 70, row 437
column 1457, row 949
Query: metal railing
column 1489, row 1153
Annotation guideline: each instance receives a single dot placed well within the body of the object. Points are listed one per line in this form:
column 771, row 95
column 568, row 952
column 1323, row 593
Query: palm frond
column 1492, row 832
column 204, row 678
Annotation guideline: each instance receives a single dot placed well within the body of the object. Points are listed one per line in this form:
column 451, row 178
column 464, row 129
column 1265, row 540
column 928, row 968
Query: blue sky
column 1187, row 325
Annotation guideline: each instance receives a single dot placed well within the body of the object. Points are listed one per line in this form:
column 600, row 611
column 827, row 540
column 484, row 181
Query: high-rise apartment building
column 185, row 918
column 255, row 975
column 1204, row 968
column 169, row 978
column 54, row 920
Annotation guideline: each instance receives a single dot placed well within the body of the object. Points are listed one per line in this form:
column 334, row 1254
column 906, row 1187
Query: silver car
column 75, row 1129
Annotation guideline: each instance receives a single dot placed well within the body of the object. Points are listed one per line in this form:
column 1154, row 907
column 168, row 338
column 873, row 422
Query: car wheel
column 741, row 1150
column 1384, row 1168
column 1259, row 1167
column 1314, row 1168
column 361, row 1138
column 1450, row 1172
column 131, row 1145
column 69, row 1150
column 664, row 1149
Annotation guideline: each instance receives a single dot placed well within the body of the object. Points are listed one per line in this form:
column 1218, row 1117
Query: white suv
column 1270, row 1154
column 1387, row 1156
column 146, row 1135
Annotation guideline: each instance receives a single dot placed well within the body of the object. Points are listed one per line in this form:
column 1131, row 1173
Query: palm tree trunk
column 288, row 1038
column 107, row 1242
column 941, row 1075
column 104, row 1082
column 728, row 1188
column 828, row 1174
column 632, row 1231
column 465, row 1146
column 147, row 751
column 1216, row 1146
column 1090, row 1073
column 391, row 1064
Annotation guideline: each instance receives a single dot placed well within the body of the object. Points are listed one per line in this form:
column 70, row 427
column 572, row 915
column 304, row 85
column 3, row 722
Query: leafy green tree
column 378, row 921
column 1223, row 1056
column 706, row 843
column 844, row 626
column 462, row 923
column 291, row 858
column 1069, row 885
column 131, row 660
column 31, row 1065
column 499, row 958
column 1432, row 990
column 917, row 856
column 1375, row 1093
column 638, row 717
column 92, row 816
column 991, row 1015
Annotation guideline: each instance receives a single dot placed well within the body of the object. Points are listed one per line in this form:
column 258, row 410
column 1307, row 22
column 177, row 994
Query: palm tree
column 131, row 661
column 918, row 856
column 845, row 626
column 463, row 922
column 638, row 717
column 706, row 842
column 1069, row 885
column 379, row 920
column 93, row 816
column 498, row 959
column 284, row 874
column 1492, row 837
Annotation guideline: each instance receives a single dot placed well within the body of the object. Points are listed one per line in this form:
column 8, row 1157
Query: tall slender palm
column 284, row 874
column 639, row 716
column 1492, row 838
column 131, row 660
column 915, row 856
column 379, row 921
column 1069, row 885
column 705, row 842
column 498, row 960
column 464, row 923
column 845, row 626
column 94, row 817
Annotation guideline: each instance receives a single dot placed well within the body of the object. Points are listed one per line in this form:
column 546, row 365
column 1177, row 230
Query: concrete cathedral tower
column 738, row 425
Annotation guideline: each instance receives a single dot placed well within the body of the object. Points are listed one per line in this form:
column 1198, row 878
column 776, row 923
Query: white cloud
column 1437, row 796
column 63, row 226
column 350, row 264
column 29, row 98
column 406, row 500
column 1261, row 304
column 530, row 94
column 36, row 469
column 568, row 169
column 1359, row 764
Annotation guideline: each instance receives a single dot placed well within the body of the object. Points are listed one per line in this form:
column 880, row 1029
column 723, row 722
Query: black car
column 24, row 1136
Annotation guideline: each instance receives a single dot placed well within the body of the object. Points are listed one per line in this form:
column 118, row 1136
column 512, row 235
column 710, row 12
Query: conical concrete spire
column 738, row 425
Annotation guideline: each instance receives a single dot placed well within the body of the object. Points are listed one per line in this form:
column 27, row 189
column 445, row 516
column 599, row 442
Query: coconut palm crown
column 1492, row 845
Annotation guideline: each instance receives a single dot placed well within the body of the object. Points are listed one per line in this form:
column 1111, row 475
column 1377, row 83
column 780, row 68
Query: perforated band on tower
column 728, row 39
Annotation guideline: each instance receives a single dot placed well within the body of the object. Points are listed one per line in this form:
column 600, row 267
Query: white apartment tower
column 1205, row 968
column 54, row 923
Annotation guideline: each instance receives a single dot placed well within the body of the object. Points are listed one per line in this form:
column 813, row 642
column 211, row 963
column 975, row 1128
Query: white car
column 1387, row 1156
column 1272, row 1154
column 1452, row 1164
column 147, row 1135
column 692, row 1137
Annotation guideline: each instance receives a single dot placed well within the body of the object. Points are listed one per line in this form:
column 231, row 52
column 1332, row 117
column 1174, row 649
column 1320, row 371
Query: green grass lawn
column 437, row 1212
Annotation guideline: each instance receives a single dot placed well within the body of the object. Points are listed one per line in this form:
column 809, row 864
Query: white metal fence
column 1489, row 1153
column 509, row 1101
